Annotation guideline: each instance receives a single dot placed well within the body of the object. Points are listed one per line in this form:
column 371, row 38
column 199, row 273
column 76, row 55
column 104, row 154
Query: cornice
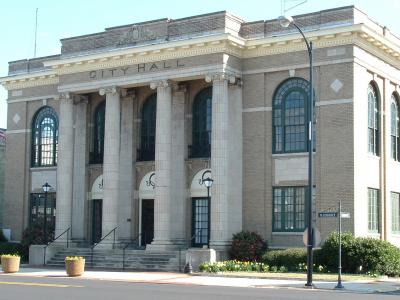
column 358, row 34
column 29, row 80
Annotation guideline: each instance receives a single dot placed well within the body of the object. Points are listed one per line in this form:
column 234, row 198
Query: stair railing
column 67, row 231
column 136, row 238
column 102, row 239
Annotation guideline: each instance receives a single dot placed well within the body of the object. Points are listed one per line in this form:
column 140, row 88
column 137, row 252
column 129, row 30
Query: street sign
column 328, row 214
column 345, row 215
column 317, row 237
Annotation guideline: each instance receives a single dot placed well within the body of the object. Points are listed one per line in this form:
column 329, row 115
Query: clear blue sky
column 60, row 19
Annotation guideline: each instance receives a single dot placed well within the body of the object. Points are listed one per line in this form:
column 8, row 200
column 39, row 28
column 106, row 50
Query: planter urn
column 75, row 267
column 10, row 264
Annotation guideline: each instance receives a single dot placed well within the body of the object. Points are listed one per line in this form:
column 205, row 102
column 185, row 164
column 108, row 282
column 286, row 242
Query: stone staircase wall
column 141, row 260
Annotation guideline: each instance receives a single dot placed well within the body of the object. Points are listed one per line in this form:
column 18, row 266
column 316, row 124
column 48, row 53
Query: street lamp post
column 285, row 21
column 46, row 188
column 208, row 182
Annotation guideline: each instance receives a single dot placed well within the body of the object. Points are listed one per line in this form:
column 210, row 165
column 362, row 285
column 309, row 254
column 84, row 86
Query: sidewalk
column 372, row 286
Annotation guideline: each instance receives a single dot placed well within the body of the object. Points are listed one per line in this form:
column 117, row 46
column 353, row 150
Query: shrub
column 378, row 257
column 34, row 234
column 288, row 258
column 2, row 237
column 13, row 248
column 293, row 259
column 247, row 246
column 328, row 256
column 365, row 255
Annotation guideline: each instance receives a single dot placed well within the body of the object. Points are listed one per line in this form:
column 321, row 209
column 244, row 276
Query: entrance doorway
column 147, row 221
column 199, row 222
column 97, row 215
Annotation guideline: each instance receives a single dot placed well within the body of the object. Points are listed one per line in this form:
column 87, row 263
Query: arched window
column 290, row 116
column 148, row 129
column 201, row 130
column 44, row 138
column 394, row 128
column 98, row 134
column 373, row 120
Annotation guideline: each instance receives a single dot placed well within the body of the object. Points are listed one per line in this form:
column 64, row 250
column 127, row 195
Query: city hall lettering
column 138, row 68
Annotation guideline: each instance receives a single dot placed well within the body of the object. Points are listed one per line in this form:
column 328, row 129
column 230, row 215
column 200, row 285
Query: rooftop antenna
column 34, row 51
column 292, row 4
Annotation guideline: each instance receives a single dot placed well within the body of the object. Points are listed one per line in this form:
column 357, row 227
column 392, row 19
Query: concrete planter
column 75, row 267
column 10, row 264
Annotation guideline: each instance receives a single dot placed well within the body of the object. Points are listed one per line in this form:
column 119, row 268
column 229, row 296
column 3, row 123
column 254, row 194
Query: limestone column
column 79, row 175
column 126, row 166
column 226, row 140
column 111, row 160
column 163, row 165
column 65, row 162
column 179, row 202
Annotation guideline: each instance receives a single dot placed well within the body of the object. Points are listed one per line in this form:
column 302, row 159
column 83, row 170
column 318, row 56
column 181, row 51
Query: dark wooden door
column 97, row 214
column 147, row 221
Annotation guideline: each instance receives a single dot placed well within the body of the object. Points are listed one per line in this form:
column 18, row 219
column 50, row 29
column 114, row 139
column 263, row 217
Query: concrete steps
column 140, row 260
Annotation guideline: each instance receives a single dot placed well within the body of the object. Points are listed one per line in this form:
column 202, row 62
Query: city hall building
column 127, row 125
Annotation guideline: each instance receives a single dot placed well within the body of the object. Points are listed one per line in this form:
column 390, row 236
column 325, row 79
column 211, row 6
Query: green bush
column 289, row 258
column 293, row 259
column 14, row 248
column 329, row 253
column 34, row 234
column 378, row 257
column 247, row 246
column 361, row 255
column 2, row 237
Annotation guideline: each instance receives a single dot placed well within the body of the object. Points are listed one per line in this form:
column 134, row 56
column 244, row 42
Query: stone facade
column 243, row 64
column 2, row 170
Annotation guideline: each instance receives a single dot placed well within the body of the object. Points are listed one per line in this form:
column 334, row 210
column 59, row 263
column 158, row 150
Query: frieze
column 137, row 68
column 136, row 33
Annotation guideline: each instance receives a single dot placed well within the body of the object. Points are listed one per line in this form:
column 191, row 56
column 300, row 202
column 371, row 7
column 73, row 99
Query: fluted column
column 178, row 174
column 111, row 160
column 126, row 177
column 65, row 163
column 226, row 170
column 162, row 202
column 79, row 177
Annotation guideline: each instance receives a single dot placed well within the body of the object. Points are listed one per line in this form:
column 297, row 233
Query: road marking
column 40, row 284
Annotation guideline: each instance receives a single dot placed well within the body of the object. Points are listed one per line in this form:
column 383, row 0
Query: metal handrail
column 49, row 243
column 200, row 230
column 127, row 245
column 95, row 244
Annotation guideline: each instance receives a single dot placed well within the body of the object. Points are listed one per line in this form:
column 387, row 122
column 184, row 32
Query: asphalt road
column 34, row 288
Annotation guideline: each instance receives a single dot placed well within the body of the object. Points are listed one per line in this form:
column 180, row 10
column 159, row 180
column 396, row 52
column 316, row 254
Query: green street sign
column 330, row 214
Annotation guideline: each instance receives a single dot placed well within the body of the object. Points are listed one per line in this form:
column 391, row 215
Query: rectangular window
column 199, row 222
column 395, row 212
column 373, row 211
column 289, row 209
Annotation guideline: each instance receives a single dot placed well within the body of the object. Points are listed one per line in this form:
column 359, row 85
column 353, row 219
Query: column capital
column 128, row 93
column 220, row 76
column 81, row 99
column 179, row 88
column 110, row 90
column 160, row 84
column 65, row 96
